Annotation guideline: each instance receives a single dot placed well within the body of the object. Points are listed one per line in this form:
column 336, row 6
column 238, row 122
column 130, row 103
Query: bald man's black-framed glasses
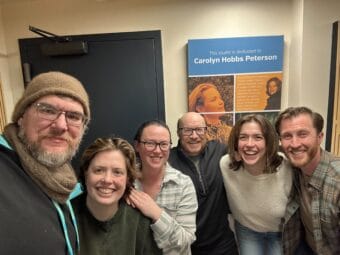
column 188, row 131
column 49, row 112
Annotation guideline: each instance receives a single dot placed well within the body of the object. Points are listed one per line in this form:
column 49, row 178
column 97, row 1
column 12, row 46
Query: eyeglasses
column 188, row 131
column 151, row 145
column 49, row 112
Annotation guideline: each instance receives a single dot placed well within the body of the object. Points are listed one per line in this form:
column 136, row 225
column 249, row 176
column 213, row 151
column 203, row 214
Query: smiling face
column 194, row 143
column 212, row 101
column 52, row 143
column 157, row 158
column 300, row 141
column 106, row 179
column 272, row 87
column 252, row 146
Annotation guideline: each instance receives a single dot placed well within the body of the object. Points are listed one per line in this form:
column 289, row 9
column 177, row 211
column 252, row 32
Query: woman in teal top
column 107, row 225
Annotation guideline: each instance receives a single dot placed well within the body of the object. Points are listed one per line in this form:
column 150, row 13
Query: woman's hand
column 145, row 204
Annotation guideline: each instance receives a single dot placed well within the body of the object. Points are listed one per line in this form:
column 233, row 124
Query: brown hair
column 111, row 144
column 148, row 123
column 278, row 84
column 273, row 160
column 292, row 112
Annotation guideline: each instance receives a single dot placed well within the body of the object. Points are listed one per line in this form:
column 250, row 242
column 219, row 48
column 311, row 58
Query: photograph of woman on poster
column 206, row 99
column 273, row 90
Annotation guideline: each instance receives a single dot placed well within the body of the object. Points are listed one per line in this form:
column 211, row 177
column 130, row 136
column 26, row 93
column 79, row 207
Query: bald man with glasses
column 199, row 159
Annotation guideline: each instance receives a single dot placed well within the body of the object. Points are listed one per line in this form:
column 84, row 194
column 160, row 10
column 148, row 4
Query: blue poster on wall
column 237, row 76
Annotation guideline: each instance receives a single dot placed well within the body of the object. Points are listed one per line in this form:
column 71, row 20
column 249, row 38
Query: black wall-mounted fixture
column 60, row 45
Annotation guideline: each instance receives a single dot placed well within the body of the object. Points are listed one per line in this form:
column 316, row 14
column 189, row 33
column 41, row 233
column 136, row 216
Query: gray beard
column 46, row 158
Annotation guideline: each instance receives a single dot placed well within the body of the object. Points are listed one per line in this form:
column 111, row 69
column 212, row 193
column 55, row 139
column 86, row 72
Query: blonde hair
column 196, row 95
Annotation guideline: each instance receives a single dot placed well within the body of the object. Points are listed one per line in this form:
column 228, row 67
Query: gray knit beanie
column 52, row 83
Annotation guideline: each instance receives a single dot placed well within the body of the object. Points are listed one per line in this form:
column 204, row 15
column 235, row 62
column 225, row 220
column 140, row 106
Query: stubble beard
column 301, row 163
column 48, row 159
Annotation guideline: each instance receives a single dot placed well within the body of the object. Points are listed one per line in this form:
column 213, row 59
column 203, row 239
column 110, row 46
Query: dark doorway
column 122, row 73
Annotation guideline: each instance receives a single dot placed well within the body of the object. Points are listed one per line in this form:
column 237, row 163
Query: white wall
column 292, row 95
column 316, row 52
column 4, row 72
column 178, row 20
column 306, row 25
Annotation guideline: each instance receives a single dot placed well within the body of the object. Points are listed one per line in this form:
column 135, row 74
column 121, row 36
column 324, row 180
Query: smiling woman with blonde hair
column 207, row 100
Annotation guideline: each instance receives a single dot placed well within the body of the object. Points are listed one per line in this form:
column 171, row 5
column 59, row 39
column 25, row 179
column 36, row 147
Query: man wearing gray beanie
column 36, row 178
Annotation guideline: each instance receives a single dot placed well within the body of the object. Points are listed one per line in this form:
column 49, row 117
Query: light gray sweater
column 257, row 202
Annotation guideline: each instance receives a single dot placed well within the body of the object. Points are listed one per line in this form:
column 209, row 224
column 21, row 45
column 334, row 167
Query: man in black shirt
column 199, row 159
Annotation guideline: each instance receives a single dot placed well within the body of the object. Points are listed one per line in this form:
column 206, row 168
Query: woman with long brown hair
column 258, row 182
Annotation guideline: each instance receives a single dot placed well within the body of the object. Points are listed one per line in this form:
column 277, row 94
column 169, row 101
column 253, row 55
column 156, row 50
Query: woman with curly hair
column 107, row 225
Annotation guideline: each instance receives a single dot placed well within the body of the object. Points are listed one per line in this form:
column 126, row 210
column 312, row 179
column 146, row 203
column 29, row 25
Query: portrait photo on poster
column 273, row 90
column 258, row 92
column 213, row 97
